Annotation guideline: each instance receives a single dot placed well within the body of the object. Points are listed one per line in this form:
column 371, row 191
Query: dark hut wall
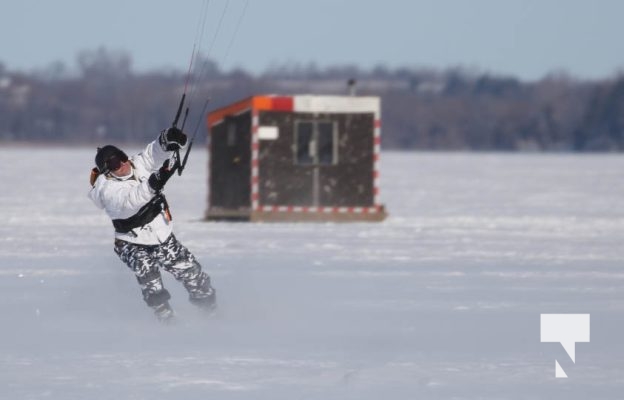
column 348, row 183
column 230, row 162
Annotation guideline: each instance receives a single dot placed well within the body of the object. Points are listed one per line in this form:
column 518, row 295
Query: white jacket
column 123, row 197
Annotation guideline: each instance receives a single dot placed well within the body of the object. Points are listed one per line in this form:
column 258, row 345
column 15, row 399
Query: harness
column 144, row 216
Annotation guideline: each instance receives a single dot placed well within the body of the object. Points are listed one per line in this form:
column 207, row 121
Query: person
column 130, row 190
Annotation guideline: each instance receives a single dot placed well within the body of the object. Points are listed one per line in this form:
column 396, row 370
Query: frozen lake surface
column 440, row 301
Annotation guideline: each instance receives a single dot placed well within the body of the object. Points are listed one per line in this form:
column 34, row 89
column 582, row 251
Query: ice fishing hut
column 295, row 158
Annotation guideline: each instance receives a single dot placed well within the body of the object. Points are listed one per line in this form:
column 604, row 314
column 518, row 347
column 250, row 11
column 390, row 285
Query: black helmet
column 109, row 158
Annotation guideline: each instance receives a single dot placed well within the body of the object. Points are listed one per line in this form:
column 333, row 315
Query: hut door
column 316, row 144
column 235, row 189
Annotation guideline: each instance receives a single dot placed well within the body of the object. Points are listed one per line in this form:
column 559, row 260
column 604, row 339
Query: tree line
column 104, row 100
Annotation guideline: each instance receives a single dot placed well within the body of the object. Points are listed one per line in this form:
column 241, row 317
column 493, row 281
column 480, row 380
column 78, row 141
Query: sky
column 527, row 39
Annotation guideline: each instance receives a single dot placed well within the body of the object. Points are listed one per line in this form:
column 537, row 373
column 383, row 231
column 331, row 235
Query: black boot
column 164, row 312
column 207, row 301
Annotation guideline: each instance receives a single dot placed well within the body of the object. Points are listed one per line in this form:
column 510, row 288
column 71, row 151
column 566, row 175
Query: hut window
column 316, row 143
column 325, row 143
column 305, row 142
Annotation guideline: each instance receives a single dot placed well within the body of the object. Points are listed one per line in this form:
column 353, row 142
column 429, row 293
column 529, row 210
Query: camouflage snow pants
column 146, row 260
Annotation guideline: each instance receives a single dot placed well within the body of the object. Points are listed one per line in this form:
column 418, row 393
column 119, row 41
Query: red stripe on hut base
column 306, row 209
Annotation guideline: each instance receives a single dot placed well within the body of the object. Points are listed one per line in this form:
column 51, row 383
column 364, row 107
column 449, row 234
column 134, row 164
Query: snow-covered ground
column 440, row 301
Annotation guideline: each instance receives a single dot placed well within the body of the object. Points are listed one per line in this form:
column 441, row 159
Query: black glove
column 172, row 139
column 158, row 179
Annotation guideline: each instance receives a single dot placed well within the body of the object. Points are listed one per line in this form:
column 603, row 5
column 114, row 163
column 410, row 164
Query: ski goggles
column 113, row 162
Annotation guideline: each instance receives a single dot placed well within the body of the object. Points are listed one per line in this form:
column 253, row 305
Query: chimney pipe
column 351, row 85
